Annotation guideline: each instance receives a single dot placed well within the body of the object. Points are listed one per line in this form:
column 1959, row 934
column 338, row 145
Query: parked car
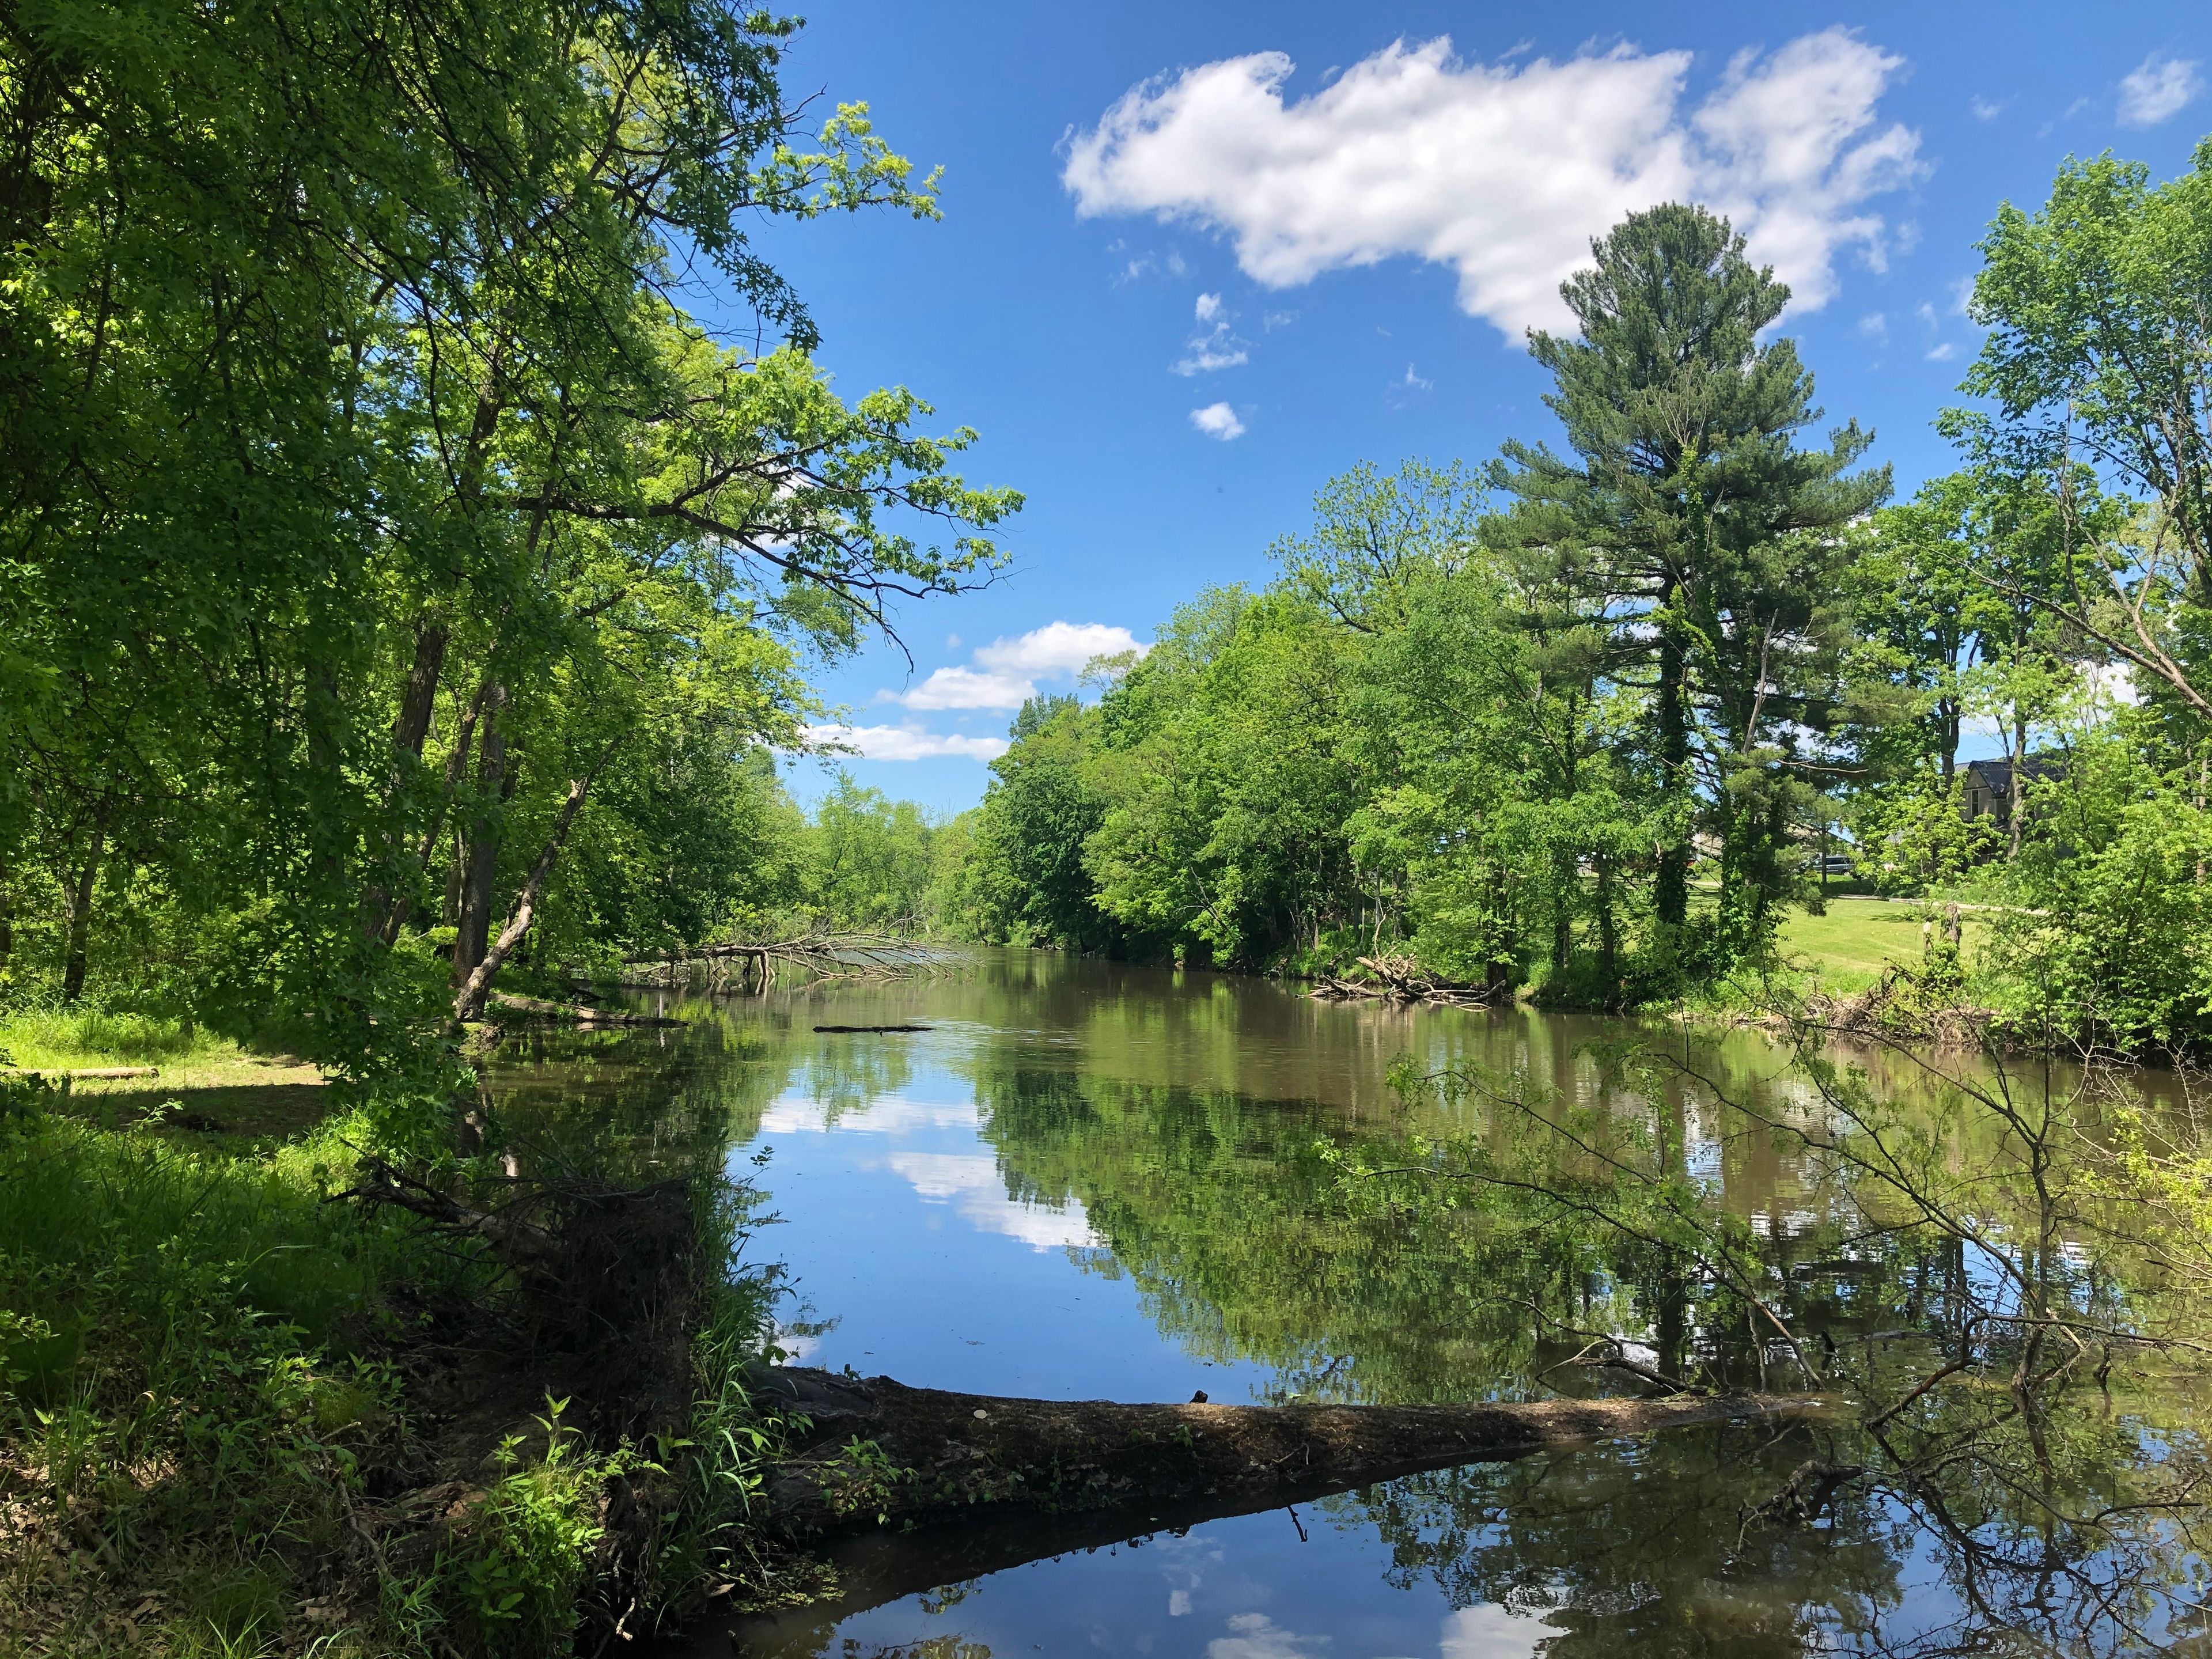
column 1831, row 864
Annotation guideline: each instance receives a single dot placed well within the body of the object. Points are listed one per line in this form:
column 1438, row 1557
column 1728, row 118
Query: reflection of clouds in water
column 1258, row 1636
column 797, row 1347
column 1490, row 1631
column 971, row 1180
column 891, row 1115
column 1179, row 1564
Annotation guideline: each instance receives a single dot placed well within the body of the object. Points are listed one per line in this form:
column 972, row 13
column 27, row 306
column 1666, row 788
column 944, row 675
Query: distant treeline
column 1588, row 719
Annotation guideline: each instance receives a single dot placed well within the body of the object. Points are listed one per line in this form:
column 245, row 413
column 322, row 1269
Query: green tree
column 1712, row 538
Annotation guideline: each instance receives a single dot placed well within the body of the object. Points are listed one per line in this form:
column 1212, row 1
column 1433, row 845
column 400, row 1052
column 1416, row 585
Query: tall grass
column 178, row 1399
column 58, row 1039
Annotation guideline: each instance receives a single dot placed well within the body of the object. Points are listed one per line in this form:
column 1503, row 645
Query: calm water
column 1087, row 1181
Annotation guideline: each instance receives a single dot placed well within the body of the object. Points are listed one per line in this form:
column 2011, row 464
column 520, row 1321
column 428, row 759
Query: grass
column 206, row 1083
column 206, row 1387
column 183, row 1415
column 1848, row 948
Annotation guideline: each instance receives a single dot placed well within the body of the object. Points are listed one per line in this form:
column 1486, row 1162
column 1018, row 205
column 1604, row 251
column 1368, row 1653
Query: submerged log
column 939, row 1456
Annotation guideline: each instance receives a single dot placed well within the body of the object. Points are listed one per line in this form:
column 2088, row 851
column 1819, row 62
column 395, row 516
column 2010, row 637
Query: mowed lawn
column 1848, row 948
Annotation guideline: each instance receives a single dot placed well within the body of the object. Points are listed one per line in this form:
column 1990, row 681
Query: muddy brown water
column 1089, row 1181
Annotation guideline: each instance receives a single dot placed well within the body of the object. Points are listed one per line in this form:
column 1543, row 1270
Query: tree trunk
column 418, row 701
column 420, row 698
column 2019, row 786
column 1608, row 931
column 480, row 862
column 80, row 907
column 966, row 1456
column 395, row 915
column 468, row 1002
column 1671, row 893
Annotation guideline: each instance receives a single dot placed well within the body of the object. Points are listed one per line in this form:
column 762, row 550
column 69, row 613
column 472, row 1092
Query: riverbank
column 247, row 1409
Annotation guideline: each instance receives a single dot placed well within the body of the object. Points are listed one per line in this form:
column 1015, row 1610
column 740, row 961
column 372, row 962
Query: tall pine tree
column 1690, row 512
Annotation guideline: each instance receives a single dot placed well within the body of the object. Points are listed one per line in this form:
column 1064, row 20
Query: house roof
column 1995, row 775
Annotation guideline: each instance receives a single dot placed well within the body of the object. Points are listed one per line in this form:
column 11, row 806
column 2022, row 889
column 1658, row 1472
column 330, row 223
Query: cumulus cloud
column 904, row 743
column 1058, row 648
column 968, row 688
column 1218, row 420
column 1005, row 672
column 2159, row 89
column 1504, row 172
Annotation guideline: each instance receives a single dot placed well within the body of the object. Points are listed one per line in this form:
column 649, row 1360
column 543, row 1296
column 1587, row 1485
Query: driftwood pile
column 752, row 967
column 572, row 1013
column 1899, row 1007
column 1402, row 979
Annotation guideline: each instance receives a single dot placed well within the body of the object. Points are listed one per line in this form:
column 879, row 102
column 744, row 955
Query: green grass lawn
column 215, row 1084
column 1848, row 948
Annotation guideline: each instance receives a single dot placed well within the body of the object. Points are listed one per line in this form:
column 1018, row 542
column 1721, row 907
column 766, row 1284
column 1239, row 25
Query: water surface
column 1090, row 1180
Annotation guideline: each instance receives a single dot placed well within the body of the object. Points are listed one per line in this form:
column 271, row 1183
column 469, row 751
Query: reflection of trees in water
column 2041, row 1506
column 1234, row 1220
column 1634, row 1549
column 1657, row 1548
column 658, row 1098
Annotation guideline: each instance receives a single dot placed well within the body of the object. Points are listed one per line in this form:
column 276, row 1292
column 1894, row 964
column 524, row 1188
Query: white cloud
column 1983, row 109
column 1489, row 1631
column 1058, row 648
column 1218, row 420
column 1007, row 671
column 1875, row 326
column 1926, row 313
column 1255, row 1635
column 891, row 1114
column 2159, row 89
column 1504, row 172
column 971, row 1183
column 1214, row 346
column 1413, row 382
column 963, row 688
column 904, row 743
column 1943, row 353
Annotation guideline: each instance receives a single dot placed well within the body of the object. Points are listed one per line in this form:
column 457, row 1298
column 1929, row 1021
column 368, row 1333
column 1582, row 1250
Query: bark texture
column 958, row 1456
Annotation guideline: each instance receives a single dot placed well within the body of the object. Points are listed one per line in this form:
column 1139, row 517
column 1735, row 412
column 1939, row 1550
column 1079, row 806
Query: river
column 1088, row 1181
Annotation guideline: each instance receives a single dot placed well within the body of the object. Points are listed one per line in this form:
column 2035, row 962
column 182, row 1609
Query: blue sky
column 1196, row 259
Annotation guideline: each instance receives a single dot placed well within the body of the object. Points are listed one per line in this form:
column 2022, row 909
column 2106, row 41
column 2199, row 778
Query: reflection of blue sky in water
column 900, row 1228
column 1243, row 1588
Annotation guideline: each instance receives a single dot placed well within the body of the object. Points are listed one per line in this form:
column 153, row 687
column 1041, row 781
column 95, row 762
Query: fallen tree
column 931, row 1456
column 1402, row 979
column 752, row 966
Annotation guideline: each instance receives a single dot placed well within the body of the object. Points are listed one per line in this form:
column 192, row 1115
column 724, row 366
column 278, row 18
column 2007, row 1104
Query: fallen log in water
column 956, row 1496
column 940, row 1456
column 576, row 1013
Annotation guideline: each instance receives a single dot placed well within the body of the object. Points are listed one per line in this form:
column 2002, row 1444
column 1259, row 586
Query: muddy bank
column 940, row 1456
